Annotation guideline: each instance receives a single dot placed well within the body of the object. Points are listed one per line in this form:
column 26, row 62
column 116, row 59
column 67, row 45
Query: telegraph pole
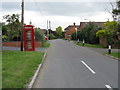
column 49, row 29
column 22, row 22
column 49, row 25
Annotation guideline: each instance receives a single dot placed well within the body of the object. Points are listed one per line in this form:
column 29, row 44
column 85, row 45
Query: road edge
column 36, row 73
column 112, row 57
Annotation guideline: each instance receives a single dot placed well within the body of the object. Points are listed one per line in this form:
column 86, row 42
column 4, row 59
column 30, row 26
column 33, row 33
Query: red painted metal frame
column 29, row 28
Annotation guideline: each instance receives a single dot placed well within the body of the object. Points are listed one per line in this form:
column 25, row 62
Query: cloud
column 62, row 0
column 59, row 8
column 60, row 14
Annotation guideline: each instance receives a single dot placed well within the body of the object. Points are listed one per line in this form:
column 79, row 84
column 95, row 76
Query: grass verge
column 90, row 45
column 46, row 44
column 114, row 54
column 18, row 67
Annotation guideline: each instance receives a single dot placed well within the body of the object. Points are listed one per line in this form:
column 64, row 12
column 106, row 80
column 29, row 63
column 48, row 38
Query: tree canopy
column 109, row 32
column 116, row 11
column 88, row 33
column 13, row 27
column 59, row 31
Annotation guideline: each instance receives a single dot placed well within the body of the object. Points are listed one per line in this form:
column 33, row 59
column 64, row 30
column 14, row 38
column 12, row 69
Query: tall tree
column 116, row 11
column 89, row 33
column 13, row 26
column 39, row 35
column 59, row 31
column 109, row 32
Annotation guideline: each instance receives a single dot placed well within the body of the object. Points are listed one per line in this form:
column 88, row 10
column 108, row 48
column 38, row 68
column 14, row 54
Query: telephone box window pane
column 29, row 47
column 28, row 31
column 29, row 43
column 29, row 35
column 29, row 38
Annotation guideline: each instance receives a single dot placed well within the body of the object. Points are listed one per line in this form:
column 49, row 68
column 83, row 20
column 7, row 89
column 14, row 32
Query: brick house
column 44, row 31
column 69, row 30
column 102, row 41
column 83, row 24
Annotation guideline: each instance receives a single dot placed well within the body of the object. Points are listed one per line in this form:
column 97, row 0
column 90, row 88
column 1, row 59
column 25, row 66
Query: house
column 70, row 29
column 83, row 24
column 44, row 31
column 49, row 31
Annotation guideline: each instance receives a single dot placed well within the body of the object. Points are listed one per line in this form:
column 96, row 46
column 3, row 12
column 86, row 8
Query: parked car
column 46, row 38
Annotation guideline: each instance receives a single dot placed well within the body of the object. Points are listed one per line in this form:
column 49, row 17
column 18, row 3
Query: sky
column 59, row 13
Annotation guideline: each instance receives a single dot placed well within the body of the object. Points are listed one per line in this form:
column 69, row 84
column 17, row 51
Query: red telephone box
column 29, row 38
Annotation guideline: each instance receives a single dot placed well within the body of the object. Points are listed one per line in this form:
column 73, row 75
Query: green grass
column 18, row 67
column 45, row 45
column 0, row 69
column 90, row 45
column 114, row 54
column 64, row 39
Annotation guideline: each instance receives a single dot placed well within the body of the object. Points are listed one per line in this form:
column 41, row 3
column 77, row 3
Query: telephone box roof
column 28, row 26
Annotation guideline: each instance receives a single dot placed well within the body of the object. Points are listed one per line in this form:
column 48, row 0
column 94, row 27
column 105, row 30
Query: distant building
column 54, row 33
column 71, row 28
column 44, row 31
column 47, row 32
column 83, row 24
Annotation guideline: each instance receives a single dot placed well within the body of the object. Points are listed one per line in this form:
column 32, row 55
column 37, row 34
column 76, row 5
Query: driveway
column 70, row 66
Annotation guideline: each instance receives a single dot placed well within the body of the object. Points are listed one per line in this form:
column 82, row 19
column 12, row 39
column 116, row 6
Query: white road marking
column 108, row 86
column 88, row 67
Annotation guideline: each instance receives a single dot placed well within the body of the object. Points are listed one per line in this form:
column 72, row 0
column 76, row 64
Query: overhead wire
column 40, row 12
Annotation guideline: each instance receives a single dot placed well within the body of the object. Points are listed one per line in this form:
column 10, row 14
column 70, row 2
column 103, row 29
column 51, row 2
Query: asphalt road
column 70, row 66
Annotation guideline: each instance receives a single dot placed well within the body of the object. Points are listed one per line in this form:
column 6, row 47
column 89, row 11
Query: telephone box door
column 29, row 38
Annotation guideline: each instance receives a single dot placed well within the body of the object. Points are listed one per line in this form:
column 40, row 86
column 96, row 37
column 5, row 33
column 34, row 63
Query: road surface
column 70, row 66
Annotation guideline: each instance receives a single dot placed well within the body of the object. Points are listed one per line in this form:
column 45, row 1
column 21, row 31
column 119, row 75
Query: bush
column 117, row 42
column 52, row 36
column 5, row 38
column 39, row 36
column 73, row 36
column 100, row 33
column 88, row 34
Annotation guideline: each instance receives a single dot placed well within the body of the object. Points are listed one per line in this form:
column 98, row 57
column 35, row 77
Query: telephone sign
column 29, row 38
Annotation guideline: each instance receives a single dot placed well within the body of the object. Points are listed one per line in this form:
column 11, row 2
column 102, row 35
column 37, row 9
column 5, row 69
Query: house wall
column 69, row 32
column 102, row 41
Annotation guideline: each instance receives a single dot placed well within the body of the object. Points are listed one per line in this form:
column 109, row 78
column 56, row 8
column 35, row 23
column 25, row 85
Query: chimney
column 74, row 24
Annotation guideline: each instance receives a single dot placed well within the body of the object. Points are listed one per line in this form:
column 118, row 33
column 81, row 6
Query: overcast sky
column 59, row 13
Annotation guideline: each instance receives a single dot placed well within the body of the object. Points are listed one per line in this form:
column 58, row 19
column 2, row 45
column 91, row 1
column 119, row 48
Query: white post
column 83, row 42
column 78, row 41
column 76, row 33
column 109, row 49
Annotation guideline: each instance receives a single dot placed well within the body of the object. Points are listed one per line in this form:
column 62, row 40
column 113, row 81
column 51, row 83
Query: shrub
column 73, row 36
column 52, row 36
column 117, row 42
column 5, row 38
column 39, row 36
column 101, row 33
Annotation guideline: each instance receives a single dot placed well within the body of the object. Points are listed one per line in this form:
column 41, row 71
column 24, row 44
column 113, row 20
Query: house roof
column 44, row 30
column 83, row 24
column 70, row 26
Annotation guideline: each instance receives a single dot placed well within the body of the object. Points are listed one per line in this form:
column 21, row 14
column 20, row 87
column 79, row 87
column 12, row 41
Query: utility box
column 29, row 42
